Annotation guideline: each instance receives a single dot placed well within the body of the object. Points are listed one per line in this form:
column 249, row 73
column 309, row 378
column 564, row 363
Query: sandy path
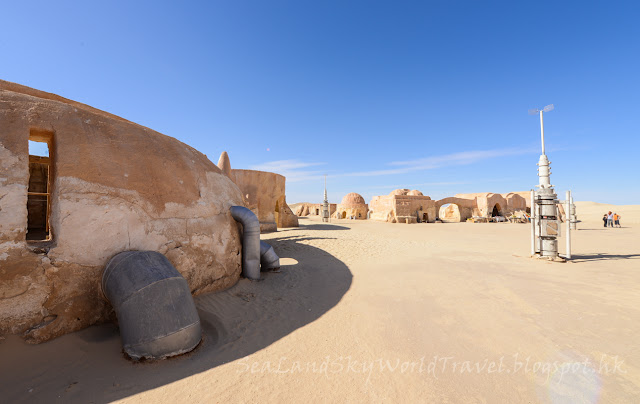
column 368, row 311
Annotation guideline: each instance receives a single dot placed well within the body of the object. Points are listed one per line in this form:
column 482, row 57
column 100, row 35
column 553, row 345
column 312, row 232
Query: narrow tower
column 325, row 204
column 544, row 210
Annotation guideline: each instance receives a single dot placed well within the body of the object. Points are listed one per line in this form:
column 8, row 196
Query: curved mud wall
column 116, row 186
column 264, row 193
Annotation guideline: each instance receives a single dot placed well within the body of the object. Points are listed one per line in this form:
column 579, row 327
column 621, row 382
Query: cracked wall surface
column 117, row 186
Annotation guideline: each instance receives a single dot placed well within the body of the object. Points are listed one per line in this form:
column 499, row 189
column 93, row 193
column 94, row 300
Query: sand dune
column 366, row 311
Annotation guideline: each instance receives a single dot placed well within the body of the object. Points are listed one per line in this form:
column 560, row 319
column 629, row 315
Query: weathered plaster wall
column 284, row 215
column 515, row 202
column 262, row 192
column 117, row 186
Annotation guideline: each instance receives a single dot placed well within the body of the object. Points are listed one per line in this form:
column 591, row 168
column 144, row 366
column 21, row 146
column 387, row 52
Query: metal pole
column 567, row 215
column 542, row 131
column 533, row 224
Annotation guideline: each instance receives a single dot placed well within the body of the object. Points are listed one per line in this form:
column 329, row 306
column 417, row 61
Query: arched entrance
column 496, row 211
column 344, row 214
column 450, row 212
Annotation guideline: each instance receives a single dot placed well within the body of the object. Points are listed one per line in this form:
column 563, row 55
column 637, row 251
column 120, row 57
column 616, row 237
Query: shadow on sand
column 603, row 257
column 323, row 226
column 89, row 366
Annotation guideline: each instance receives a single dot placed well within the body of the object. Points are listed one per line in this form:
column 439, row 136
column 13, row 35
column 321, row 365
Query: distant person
column 616, row 220
column 604, row 219
column 610, row 219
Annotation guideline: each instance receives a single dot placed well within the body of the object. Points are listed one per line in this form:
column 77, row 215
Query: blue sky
column 428, row 95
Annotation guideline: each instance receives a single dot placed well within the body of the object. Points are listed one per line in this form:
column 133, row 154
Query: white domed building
column 352, row 206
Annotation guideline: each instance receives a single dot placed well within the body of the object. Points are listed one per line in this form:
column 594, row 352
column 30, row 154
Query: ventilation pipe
column 269, row 260
column 156, row 313
column 250, row 241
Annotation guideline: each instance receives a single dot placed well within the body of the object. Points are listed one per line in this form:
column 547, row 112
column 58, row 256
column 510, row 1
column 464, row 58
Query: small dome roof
column 402, row 191
column 415, row 192
column 353, row 199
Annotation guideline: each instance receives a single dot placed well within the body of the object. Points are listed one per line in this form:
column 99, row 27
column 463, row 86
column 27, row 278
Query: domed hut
column 106, row 186
column 352, row 206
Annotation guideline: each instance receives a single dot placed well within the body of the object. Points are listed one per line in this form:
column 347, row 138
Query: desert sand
column 365, row 311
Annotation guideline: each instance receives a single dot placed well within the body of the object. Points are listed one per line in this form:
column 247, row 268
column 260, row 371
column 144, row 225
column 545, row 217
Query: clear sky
column 428, row 95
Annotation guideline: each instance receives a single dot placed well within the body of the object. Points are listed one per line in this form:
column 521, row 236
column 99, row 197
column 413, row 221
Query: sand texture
column 366, row 311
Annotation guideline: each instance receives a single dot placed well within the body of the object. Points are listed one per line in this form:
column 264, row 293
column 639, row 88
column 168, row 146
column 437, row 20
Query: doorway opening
column 497, row 211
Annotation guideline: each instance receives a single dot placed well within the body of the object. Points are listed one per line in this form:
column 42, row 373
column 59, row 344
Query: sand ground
column 365, row 311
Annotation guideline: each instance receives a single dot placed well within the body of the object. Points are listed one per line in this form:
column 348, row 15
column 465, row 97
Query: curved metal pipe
column 250, row 241
column 156, row 313
column 269, row 260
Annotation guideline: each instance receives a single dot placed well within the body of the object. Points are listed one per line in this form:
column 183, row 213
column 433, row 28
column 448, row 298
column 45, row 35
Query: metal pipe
column 567, row 215
column 533, row 224
column 156, row 313
column 250, row 241
column 269, row 260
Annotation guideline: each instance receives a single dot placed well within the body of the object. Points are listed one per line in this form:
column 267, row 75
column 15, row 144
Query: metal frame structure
column 545, row 220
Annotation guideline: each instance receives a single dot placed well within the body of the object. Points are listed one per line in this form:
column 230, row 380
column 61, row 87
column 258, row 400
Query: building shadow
column 89, row 366
column 324, row 226
column 603, row 257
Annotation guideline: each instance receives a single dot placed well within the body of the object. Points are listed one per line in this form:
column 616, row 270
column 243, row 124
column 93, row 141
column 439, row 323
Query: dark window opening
column 39, row 191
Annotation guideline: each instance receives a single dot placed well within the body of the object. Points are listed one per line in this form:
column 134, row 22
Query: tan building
column 108, row 186
column 405, row 206
column 263, row 193
column 352, row 206
column 401, row 206
column 313, row 209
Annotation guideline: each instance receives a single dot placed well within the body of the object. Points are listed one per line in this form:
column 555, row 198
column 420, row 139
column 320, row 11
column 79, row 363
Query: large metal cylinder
column 156, row 313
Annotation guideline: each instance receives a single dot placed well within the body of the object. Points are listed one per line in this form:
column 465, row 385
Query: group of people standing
column 611, row 219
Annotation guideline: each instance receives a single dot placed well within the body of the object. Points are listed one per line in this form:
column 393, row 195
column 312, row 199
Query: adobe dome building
column 352, row 205
column 107, row 186
column 402, row 206
column 411, row 206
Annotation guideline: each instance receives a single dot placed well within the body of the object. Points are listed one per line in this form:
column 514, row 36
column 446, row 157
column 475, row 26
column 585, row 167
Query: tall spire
column 325, row 204
column 325, row 189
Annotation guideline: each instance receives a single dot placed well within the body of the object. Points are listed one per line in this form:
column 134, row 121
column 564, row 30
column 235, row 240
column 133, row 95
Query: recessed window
column 40, row 180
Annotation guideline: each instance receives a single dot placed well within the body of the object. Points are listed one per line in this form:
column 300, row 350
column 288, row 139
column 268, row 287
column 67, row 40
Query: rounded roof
column 402, row 191
column 352, row 199
column 415, row 192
